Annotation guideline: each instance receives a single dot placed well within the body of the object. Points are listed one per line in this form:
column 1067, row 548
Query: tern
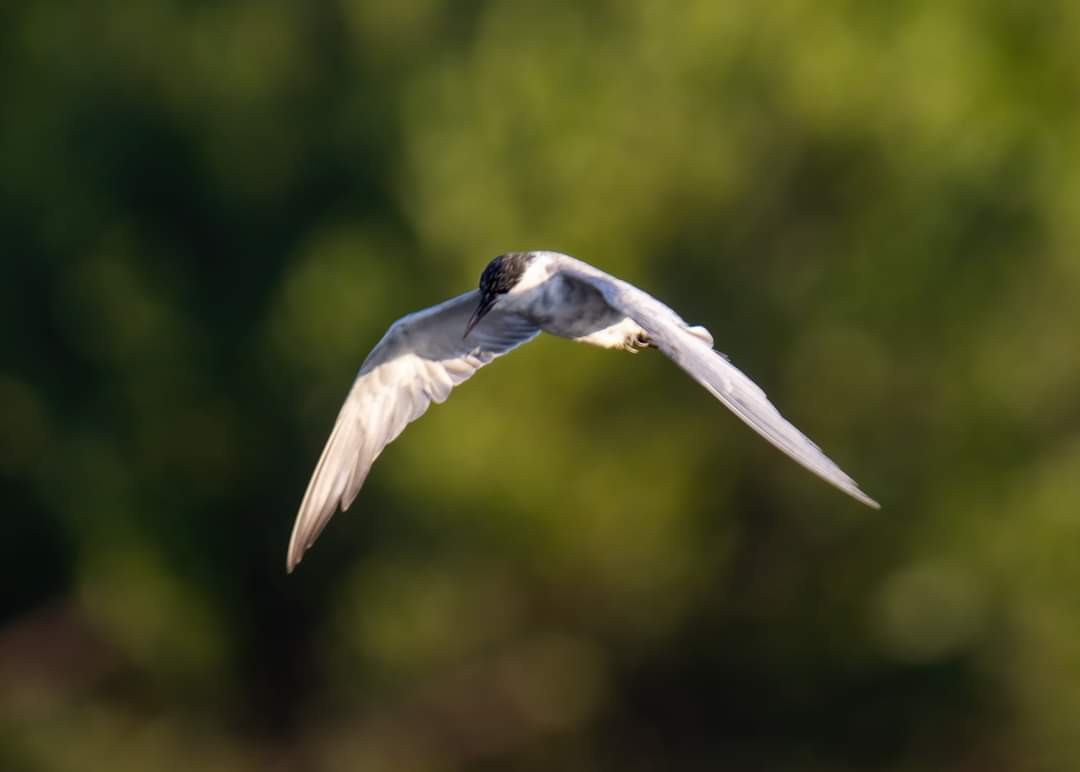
column 424, row 355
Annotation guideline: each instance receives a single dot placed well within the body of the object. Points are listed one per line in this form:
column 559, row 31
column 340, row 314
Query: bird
column 424, row 355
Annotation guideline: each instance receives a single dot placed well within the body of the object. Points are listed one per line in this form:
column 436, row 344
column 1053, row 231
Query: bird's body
column 570, row 309
column 425, row 354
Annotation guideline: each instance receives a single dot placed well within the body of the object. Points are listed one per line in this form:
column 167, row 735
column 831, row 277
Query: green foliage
column 211, row 211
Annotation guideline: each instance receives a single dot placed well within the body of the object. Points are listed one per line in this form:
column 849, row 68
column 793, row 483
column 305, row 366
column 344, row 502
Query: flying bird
column 424, row 355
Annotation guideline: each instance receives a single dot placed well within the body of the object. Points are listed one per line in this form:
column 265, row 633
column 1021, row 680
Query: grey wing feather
column 691, row 349
column 419, row 361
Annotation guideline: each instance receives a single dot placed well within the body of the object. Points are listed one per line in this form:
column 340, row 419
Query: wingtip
column 864, row 499
column 292, row 560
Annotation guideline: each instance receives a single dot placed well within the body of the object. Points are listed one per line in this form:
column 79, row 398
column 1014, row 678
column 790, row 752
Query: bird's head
column 499, row 277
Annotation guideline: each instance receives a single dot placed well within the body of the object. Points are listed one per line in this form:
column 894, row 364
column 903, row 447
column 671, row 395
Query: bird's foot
column 636, row 343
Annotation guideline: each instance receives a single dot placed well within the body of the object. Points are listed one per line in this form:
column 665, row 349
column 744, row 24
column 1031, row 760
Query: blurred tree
column 210, row 212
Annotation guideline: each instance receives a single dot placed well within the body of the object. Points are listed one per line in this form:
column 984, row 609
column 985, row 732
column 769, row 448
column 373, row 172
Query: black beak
column 486, row 302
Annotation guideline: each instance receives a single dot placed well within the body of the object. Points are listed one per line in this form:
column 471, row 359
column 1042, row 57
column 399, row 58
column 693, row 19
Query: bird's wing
column 419, row 360
column 689, row 349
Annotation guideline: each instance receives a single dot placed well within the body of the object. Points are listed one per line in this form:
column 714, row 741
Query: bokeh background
column 210, row 211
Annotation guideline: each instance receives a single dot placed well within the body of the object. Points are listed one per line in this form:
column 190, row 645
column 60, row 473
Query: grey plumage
column 425, row 354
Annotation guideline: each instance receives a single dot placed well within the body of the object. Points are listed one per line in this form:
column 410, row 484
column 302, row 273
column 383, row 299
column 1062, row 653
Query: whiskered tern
column 424, row 355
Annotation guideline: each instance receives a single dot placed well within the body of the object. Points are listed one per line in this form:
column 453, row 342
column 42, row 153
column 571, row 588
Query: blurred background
column 210, row 212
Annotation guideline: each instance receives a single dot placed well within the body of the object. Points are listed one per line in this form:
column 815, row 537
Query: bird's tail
column 702, row 333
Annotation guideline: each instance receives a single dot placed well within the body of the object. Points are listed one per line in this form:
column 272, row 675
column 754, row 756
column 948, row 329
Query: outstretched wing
column 688, row 348
column 419, row 360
